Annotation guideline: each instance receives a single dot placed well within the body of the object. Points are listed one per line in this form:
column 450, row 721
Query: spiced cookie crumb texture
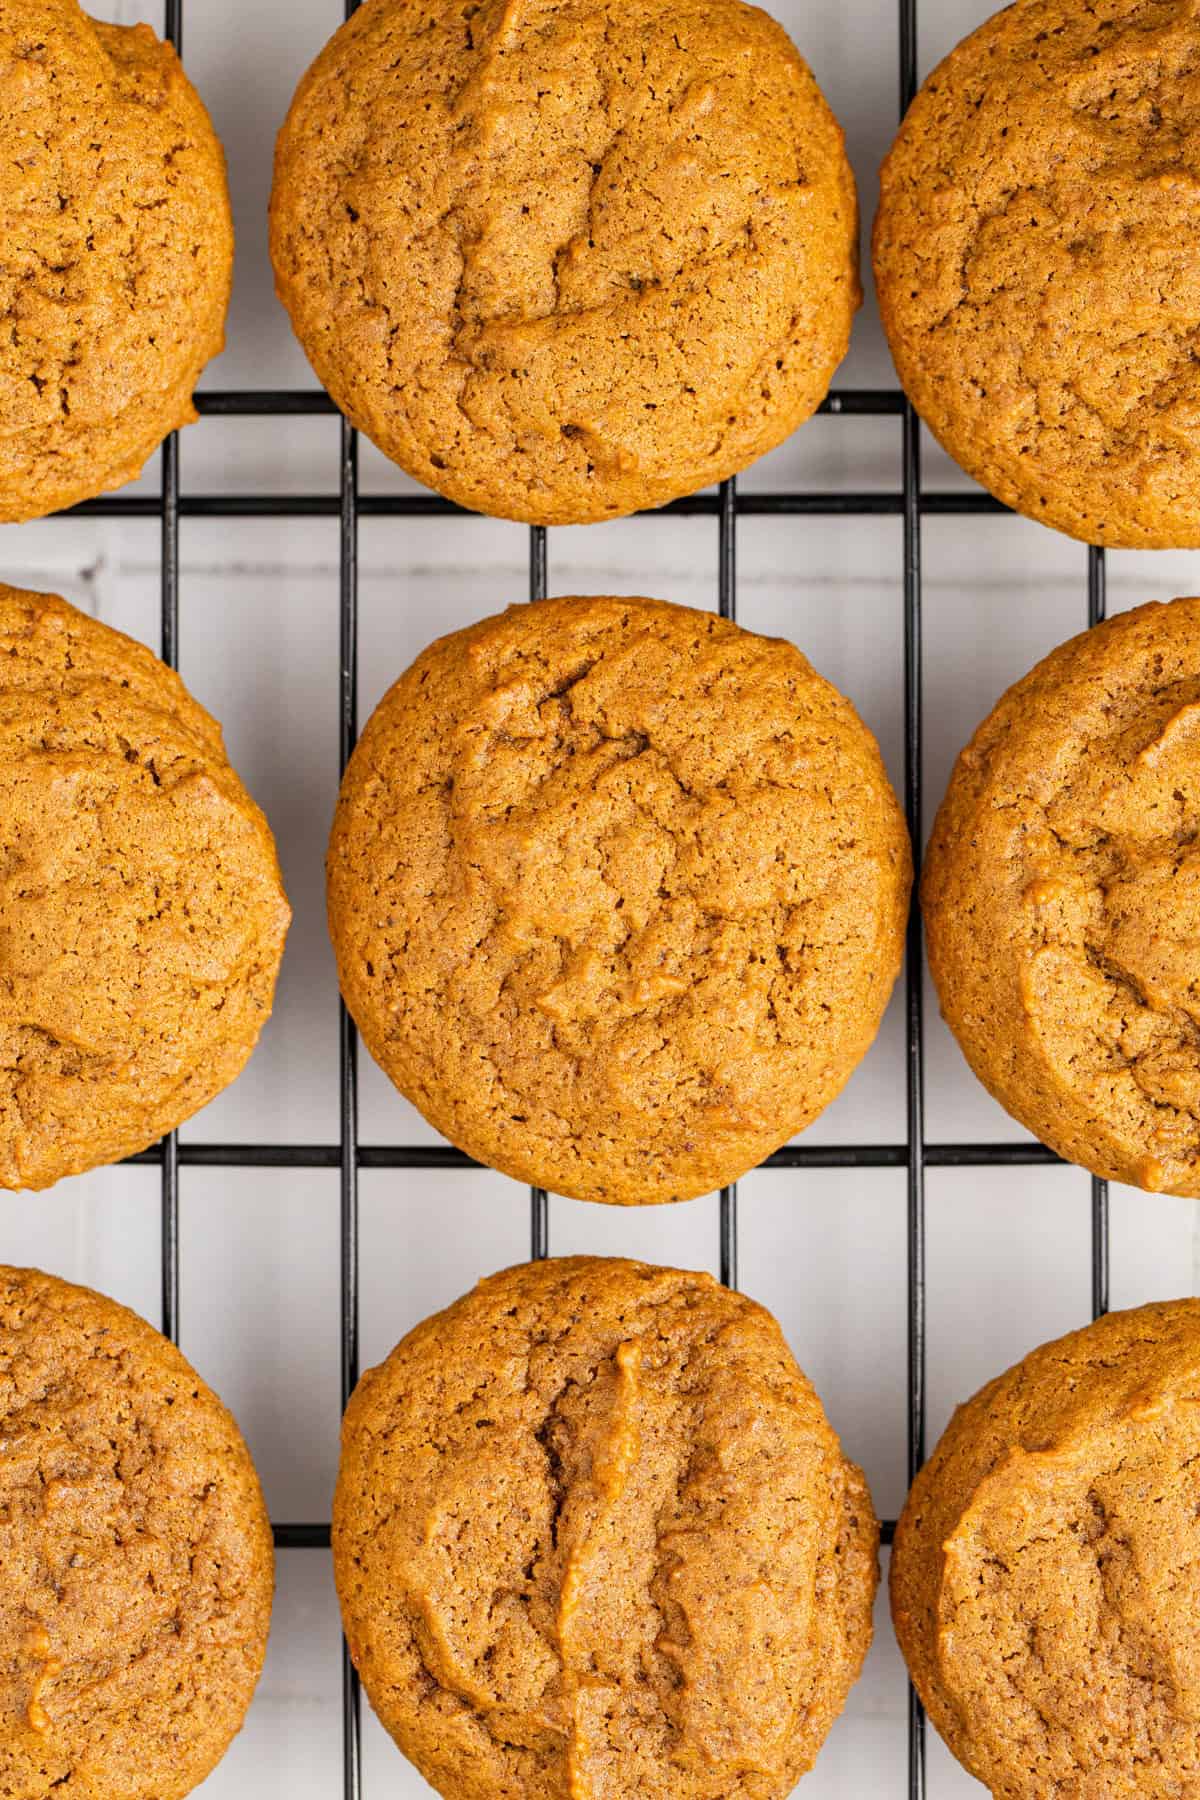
column 1037, row 255
column 116, row 255
column 1043, row 1574
column 593, row 1533
column 618, row 894
column 1062, row 899
column 142, row 915
column 137, row 1555
column 564, row 261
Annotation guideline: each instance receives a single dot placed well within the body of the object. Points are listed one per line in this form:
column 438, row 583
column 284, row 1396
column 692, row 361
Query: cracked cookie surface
column 116, row 253
column 142, row 915
column 593, row 1534
column 1044, row 1579
column 618, row 894
column 562, row 259
column 1062, row 899
column 137, row 1556
column 1037, row 258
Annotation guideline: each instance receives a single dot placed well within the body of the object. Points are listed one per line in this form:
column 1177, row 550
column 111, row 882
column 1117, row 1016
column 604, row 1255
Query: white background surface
column 1008, row 1251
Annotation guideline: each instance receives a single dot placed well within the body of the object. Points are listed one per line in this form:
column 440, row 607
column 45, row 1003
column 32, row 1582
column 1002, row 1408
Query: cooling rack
column 349, row 1156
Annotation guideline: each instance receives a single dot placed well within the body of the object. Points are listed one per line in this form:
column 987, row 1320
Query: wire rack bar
column 727, row 1239
column 539, row 1200
column 169, row 1147
column 169, row 606
column 250, row 403
column 914, row 505
column 1024, row 1154
column 873, row 503
column 289, row 1536
column 348, row 1055
column 1097, row 603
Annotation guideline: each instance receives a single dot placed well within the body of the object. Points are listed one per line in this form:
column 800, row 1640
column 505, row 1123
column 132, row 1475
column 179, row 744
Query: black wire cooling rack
column 350, row 1156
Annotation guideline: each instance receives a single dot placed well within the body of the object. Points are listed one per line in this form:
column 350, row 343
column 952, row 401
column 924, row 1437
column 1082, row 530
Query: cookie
column 1062, row 899
column 618, row 894
column 564, row 261
column 142, row 916
column 593, row 1533
column 116, row 255
column 1037, row 259
column 1044, row 1575
column 137, row 1556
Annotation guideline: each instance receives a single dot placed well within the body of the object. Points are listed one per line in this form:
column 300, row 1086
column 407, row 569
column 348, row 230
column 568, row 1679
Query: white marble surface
column 1008, row 1252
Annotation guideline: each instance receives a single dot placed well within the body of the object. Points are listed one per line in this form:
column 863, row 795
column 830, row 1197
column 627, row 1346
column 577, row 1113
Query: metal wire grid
column 348, row 1155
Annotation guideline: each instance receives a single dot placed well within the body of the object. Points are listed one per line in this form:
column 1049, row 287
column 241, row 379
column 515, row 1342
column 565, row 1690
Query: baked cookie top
column 137, row 1556
column 115, row 257
column 142, row 915
column 565, row 259
column 1044, row 1576
column 618, row 894
column 1062, row 899
column 593, row 1532
column 1037, row 258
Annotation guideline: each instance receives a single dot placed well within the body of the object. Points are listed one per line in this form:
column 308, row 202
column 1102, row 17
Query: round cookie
column 142, row 916
column 116, row 256
column 1062, row 899
column 1045, row 1578
column 1037, row 259
column 565, row 261
column 594, row 1533
column 618, row 894
column 137, row 1555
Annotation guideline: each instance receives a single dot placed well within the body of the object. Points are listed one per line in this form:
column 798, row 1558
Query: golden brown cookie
column 618, row 894
column 142, row 915
column 593, row 1534
column 565, row 260
column 1045, row 1580
column 1062, row 899
column 116, row 252
column 137, row 1556
column 1037, row 258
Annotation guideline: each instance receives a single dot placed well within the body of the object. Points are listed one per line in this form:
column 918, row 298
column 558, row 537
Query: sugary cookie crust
column 593, row 1533
column 137, row 1555
column 618, row 894
column 1062, row 899
column 115, row 258
column 1037, row 259
column 562, row 259
column 142, row 915
column 1044, row 1574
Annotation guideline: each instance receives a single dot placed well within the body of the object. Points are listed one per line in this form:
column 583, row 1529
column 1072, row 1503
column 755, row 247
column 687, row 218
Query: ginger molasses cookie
column 566, row 260
column 1046, row 1571
column 116, row 252
column 618, row 894
column 1037, row 257
column 142, row 915
column 1062, row 899
column 137, row 1556
column 594, row 1533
